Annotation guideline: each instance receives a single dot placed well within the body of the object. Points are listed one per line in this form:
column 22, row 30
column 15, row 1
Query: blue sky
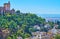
column 35, row 6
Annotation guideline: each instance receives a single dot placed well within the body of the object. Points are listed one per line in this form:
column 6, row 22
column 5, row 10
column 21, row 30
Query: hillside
column 19, row 24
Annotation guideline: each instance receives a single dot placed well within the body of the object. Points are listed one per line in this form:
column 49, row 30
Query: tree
column 9, row 37
column 18, row 11
column 57, row 36
column 26, row 35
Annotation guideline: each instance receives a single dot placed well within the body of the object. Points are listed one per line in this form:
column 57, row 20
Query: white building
column 37, row 27
column 19, row 37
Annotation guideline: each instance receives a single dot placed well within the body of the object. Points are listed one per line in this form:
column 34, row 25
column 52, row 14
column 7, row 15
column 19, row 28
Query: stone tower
column 7, row 6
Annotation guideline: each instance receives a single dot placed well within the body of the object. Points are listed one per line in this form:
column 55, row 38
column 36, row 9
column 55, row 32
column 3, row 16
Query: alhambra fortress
column 6, row 8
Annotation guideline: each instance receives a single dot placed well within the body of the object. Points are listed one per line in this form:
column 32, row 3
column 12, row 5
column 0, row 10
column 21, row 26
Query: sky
column 35, row 6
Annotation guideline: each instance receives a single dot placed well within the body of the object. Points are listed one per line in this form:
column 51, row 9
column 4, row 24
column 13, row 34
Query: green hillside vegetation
column 20, row 24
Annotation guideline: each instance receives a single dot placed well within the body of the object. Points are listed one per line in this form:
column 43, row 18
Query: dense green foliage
column 20, row 24
column 57, row 36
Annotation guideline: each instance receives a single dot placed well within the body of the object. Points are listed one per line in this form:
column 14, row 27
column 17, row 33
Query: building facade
column 6, row 8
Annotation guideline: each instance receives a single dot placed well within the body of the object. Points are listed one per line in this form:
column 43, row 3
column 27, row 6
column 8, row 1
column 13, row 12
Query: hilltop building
column 6, row 8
